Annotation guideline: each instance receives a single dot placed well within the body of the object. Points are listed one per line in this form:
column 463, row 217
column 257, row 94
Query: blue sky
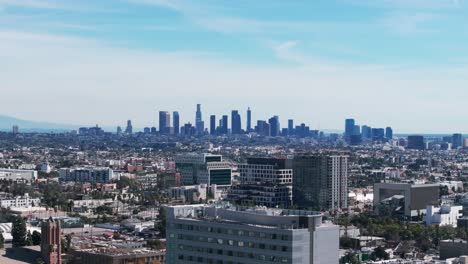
column 384, row 62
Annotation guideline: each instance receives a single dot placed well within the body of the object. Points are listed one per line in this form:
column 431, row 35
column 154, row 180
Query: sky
column 399, row 63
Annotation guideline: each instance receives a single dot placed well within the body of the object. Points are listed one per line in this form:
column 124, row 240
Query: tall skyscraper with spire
column 249, row 120
column 129, row 129
column 199, row 125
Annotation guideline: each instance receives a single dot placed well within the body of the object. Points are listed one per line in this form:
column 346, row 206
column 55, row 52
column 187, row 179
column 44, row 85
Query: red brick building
column 50, row 242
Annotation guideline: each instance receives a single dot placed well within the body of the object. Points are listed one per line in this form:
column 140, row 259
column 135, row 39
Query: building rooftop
column 112, row 251
column 253, row 216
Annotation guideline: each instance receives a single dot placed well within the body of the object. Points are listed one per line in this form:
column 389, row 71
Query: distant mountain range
column 7, row 122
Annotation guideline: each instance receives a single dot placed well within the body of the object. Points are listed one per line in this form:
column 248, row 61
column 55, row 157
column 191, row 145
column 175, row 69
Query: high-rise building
column 129, row 129
column 213, row 125
column 199, row 124
column 416, row 142
column 457, row 141
column 188, row 130
column 224, row 125
column 320, row 181
column 378, row 134
column 356, row 130
column 51, row 248
column 302, row 130
column 164, row 122
column 265, row 182
column 349, row 127
column 119, row 130
column 203, row 169
column 249, row 120
column 274, row 126
column 236, row 127
column 366, row 132
column 176, row 122
column 228, row 234
column 290, row 127
column 15, row 129
column 389, row 133
column 263, row 128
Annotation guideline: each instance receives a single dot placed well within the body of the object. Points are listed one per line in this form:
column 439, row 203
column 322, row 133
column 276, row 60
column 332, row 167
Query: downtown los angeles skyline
column 380, row 62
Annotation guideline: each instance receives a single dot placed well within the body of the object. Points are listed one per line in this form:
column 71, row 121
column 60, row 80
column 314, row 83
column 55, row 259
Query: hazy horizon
column 384, row 63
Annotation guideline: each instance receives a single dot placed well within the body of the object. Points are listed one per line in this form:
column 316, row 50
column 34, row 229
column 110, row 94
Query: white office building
column 226, row 234
column 18, row 175
column 443, row 215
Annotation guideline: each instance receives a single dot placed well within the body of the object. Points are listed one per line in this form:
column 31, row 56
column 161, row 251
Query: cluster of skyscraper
column 355, row 134
column 269, row 128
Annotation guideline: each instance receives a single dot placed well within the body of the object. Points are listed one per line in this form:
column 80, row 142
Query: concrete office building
column 320, row 181
column 226, row 234
column 445, row 215
column 411, row 198
column 203, row 169
column 18, row 175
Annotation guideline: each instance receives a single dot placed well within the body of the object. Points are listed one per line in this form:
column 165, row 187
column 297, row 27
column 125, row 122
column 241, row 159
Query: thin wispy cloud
column 409, row 23
column 227, row 55
column 41, row 4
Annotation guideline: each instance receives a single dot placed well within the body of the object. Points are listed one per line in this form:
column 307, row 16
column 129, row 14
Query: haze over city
column 318, row 62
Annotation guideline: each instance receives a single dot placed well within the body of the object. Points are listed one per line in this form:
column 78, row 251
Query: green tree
column 36, row 238
column 2, row 240
column 29, row 240
column 39, row 261
column 18, row 232
column 160, row 224
column 379, row 253
column 350, row 258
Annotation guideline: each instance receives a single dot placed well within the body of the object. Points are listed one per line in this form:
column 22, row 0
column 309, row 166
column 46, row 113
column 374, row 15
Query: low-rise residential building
column 20, row 202
column 88, row 174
